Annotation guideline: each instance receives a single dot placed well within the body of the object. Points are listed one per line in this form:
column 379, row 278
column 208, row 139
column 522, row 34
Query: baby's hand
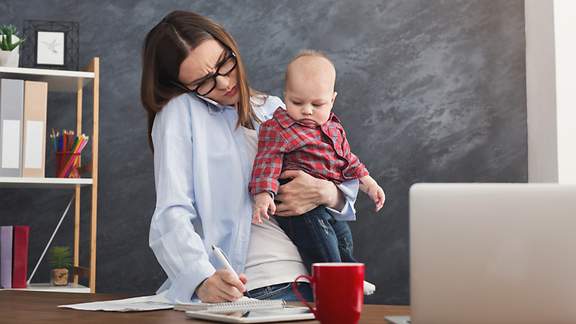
column 263, row 202
column 374, row 191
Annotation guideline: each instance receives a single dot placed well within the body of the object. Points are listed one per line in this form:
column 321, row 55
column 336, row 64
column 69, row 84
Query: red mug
column 338, row 292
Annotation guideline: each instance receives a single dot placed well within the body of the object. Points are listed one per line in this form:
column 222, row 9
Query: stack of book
column 22, row 128
column 13, row 256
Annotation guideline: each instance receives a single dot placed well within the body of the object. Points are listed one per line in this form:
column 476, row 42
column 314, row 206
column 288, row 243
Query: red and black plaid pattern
column 284, row 144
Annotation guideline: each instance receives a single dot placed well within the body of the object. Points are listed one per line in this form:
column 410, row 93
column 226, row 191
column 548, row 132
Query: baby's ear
column 334, row 96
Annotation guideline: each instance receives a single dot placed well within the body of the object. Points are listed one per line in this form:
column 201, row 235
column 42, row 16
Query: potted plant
column 9, row 46
column 60, row 260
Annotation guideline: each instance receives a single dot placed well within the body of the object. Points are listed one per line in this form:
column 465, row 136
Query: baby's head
column 309, row 88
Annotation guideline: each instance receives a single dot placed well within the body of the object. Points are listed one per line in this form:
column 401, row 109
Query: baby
column 307, row 136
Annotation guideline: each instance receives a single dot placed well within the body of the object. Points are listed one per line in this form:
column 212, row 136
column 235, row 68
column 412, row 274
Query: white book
column 34, row 150
column 11, row 116
column 6, row 243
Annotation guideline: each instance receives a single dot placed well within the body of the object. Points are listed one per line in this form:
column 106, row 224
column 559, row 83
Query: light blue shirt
column 202, row 168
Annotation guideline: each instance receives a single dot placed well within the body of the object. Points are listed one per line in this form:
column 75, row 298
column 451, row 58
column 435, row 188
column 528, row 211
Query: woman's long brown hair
column 166, row 46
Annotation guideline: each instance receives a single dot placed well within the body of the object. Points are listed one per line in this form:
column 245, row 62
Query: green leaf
column 18, row 43
column 6, row 43
column 60, row 257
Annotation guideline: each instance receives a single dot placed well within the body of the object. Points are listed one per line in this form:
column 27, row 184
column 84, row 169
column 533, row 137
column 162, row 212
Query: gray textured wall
column 428, row 91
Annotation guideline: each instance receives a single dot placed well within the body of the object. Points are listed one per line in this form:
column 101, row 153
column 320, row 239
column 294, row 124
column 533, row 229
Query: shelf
column 46, row 287
column 58, row 80
column 56, row 183
column 71, row 82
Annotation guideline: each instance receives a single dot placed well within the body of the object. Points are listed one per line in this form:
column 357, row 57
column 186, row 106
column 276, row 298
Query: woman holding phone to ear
column 202, row 126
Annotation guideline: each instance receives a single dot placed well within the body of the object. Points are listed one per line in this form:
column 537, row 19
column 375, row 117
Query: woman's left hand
column 305, row 193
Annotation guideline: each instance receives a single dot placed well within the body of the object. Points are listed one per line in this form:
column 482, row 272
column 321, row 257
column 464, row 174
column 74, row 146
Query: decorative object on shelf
column 50, row 44
column 9, row 46
column 60, row 260
column 68, row 150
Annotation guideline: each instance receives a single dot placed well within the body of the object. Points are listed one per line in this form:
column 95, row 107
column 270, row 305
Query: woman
column 202, row 118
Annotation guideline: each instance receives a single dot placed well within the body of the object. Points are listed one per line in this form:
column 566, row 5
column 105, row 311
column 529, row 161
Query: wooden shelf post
column 79, row 97
column 94, row 67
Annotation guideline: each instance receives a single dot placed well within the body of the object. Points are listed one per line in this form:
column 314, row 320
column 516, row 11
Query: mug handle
column 299, row 295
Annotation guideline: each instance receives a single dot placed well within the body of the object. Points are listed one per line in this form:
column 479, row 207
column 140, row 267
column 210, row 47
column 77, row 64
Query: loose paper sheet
column 136, row 304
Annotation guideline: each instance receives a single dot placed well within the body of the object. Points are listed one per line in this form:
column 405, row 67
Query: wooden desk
column 39, row 307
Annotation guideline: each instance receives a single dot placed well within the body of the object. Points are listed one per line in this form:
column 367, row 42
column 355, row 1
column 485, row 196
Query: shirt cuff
column 183, row 288
column 350, row 191
column 258, row 185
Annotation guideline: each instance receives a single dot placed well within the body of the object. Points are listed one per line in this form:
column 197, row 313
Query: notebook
column 243, row 304
column 284, row 314
column 20, row 238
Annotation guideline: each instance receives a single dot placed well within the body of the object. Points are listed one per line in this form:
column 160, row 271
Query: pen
column 222, row 258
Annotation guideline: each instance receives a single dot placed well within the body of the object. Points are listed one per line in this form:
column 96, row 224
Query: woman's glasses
column 206, row 84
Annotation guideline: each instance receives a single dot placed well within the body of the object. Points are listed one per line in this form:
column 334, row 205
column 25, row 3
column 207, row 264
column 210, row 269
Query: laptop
column 493, row 253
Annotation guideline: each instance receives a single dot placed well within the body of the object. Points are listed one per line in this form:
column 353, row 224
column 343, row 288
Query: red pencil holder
column 67, row 164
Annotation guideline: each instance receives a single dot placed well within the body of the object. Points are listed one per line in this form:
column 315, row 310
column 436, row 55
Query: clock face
column 50, row 48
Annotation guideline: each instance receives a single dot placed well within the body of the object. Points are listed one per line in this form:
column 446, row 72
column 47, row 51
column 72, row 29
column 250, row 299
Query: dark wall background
column 428, row 91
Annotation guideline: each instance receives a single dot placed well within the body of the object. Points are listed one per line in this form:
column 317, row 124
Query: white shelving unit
column 46, row 183
column 45, row 287
column 58, row 80
column 69, row 82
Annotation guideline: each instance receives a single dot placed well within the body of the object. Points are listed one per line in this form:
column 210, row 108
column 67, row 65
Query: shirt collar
column 286, row 121
column 283, row 119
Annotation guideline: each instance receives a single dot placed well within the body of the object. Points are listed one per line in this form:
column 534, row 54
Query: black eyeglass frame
column 213, row 75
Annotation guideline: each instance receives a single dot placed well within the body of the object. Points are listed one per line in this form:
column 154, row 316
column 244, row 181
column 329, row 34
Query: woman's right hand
column 222, row 286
